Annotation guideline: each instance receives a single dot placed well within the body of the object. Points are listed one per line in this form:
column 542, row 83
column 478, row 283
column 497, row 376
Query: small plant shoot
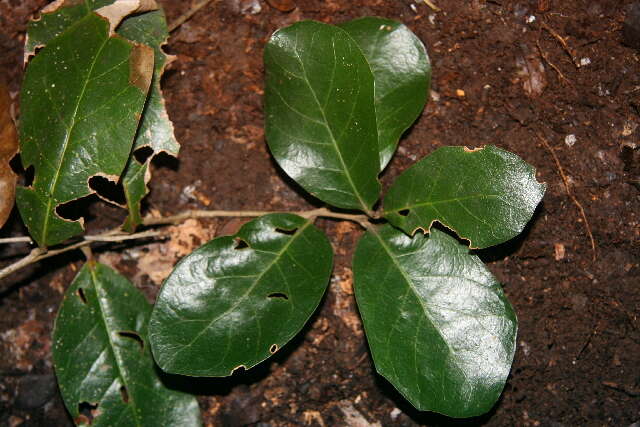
column 337, row 100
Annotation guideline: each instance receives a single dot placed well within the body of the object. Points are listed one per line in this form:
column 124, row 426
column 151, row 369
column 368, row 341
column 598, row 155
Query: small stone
column 559, row 251
column 570, row 140
column 282, row 5
column 395, row 413
column 585, row 61
column 460, row 93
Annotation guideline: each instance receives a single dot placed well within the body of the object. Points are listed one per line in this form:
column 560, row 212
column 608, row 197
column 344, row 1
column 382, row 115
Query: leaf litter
column 8, row 149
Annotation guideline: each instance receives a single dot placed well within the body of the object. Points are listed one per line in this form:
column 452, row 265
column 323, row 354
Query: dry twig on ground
column 572, row 196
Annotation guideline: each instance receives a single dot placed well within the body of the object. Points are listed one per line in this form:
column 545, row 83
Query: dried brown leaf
column 8, row 149
column 120, row 9
column 532, row 73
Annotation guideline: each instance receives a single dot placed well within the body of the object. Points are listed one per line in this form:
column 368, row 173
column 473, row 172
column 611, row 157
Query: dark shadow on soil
column 37, row 271
column 164, row 160
column 503, row 250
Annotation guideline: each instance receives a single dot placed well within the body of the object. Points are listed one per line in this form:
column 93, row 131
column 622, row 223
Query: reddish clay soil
column 514, row 74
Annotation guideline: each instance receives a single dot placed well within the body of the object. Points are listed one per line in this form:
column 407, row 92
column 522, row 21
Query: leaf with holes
column 320, row 117
column 402, row 75
column 82, row 98
column 438, row 324
column 486, row 196
column 134, row 183
column 236, row 300
column 54, row 19
column 8, row 149
column 60, row 15
column 156, row 130
column 102, row 358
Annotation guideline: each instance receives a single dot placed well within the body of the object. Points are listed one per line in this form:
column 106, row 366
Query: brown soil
column 497, row 78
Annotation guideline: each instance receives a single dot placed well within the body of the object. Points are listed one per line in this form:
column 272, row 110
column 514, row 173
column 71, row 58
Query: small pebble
column 395, row 413
column 585, row 61
column 570, row 140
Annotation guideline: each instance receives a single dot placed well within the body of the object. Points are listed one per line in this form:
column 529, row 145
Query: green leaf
column 82, row 97
column 402, row 75
column 238, row 299
column 438, row 324
column 102, row 357
column 134, row 182
column 156, row 130
column 55, row 18
column 319, row 113
column 486, row 196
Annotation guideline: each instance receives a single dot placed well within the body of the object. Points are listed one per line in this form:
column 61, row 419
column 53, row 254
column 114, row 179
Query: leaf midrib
column 54, row 182
column 119, row 362
column 326, row 122
column 410, row 286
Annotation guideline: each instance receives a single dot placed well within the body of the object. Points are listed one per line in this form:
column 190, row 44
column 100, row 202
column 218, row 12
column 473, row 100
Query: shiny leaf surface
column 238, row 299
column 8, row 149
column 438, row 324
column 486, row 196
column 134, row 182
column 81, row 100
column 55, row 18
column 320, row 114
column 402, row 75
column 155, row 130
column 102, row 356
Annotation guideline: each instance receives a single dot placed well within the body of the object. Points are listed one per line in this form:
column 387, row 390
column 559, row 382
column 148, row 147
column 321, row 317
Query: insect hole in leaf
column 287, row 232
column 133, row 336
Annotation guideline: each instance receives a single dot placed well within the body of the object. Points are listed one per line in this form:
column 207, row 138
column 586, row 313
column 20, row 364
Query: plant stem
column 188, row 14
column 21, row 239
column 116, row 235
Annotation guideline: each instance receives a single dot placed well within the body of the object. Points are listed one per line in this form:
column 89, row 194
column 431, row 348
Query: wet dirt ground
column 553, row 81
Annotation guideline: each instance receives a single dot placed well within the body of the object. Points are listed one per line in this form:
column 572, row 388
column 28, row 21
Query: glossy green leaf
column 319, row 113
column 156, row 130
column 81, row 100
column 55, row 18
column 134, row 182
column 402, row 75
column 102, row 357
column 238, row 299
column 486, row 196
column 438, row 324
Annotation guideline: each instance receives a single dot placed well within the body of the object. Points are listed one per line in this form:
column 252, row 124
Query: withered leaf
column 8, row 149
